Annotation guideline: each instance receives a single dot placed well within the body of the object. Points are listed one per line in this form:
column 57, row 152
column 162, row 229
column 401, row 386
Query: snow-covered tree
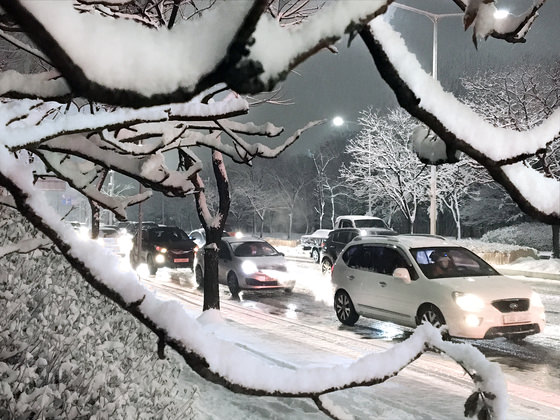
column 456, row 183
column 384, row 166
column 128, row 82
column 521, row 98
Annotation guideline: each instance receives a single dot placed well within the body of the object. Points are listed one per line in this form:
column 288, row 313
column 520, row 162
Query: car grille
column 254, row 282
column 180, row 252
column 512, row 330
column 511, row 305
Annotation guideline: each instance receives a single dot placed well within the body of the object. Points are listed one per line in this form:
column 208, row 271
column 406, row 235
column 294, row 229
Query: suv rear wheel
column 315, row 255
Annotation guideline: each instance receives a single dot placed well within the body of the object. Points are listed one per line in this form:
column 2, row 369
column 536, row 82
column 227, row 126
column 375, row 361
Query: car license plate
column 178, row 260
column 515, row 318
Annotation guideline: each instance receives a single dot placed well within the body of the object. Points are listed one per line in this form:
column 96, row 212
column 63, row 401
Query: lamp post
column 434, row 18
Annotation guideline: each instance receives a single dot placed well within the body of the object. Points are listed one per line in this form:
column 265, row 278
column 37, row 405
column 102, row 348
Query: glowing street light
column 337, row 121
column 501, row 14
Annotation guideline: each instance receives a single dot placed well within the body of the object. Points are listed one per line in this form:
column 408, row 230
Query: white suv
column 408, row 279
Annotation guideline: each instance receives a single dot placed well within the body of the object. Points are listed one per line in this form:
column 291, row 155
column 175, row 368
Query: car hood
column 487, row 287
column 276, row 262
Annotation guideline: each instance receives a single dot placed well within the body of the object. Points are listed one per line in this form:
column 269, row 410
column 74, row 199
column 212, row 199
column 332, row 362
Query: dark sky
column 345, row 83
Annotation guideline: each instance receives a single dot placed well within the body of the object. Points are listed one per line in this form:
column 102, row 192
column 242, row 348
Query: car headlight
column 249, row 267
column 468, row 301
column 536, row 300
column 160, row 258
column 161, row 249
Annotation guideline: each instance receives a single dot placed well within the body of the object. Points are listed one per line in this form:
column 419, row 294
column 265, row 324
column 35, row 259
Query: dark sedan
column 163, row 246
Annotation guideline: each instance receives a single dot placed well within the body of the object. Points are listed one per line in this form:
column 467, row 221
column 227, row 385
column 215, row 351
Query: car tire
column 344, row 308
column 152, row 268
column 433, row 315
column 199, row 276
column 288, row 290
column 315, row 255
column 232, row 283
column 326, row 266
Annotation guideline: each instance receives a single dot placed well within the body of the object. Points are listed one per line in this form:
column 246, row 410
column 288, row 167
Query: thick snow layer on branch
column 41, row 84
column 496, row 143
column 276, row 47
column 160, row 60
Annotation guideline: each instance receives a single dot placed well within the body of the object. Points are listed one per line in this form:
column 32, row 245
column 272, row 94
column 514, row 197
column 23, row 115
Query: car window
column 460, row 262
column 253, row 249
column 345, row 223
column 365, row 223
column 223, row 251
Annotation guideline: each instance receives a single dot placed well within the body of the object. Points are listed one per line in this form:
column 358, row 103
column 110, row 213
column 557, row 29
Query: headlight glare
column 468, row 301
column 249, row 267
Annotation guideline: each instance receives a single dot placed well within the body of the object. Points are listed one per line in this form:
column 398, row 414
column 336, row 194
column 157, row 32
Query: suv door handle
column 382, row 283
column 351, row 277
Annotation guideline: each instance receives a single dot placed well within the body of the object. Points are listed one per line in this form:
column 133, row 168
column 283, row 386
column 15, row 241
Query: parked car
column 163, row 246
column 408, row 279
column 199, row 235
column 314, row 242
column 356, row 221
column 337, row 240
column 248, row 263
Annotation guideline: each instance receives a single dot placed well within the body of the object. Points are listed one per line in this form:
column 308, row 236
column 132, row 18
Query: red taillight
column 158, row 248
column 332, row 268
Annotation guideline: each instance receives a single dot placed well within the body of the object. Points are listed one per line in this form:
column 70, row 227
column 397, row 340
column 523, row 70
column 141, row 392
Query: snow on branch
column 150, row 169
column 483, row 14
column 25, row 246
column 175, row 65
column 85, row 182
column 493, row 147
column 47, row 85
column 203, row 351
column 26, row 121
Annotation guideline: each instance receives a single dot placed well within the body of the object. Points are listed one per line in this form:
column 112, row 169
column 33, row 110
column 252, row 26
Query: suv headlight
column 249, row 267
column 468, row 301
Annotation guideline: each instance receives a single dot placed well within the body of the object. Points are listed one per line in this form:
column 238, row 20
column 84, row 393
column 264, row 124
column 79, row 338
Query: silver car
column 408, row 279
column 248, row 263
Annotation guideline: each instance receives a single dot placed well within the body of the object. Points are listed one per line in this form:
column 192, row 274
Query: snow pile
column 534, row 235
column 66, row 353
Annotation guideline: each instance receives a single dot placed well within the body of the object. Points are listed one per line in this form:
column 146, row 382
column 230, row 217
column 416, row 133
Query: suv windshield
column 365, row 223
column 253, row 249
column 451, row 262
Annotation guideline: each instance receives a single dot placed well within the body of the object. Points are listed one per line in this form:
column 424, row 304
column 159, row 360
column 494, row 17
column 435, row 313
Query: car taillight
column 332, row 268
column 195, row 249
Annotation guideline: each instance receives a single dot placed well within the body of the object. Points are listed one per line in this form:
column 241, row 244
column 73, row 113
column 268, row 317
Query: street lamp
column 434, row 17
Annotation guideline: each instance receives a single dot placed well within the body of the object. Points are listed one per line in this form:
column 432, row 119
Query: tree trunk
column 94, row 219
column 211, row 284
column 555, row 241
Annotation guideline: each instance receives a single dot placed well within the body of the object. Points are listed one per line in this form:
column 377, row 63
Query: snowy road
column 301, row 328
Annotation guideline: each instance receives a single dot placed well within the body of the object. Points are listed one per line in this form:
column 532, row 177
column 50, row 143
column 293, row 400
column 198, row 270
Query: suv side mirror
column 403, row 274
